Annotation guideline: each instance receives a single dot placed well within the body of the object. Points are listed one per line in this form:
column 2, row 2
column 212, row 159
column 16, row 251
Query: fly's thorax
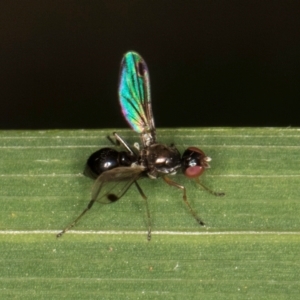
column 148, row 137
column 161, row 159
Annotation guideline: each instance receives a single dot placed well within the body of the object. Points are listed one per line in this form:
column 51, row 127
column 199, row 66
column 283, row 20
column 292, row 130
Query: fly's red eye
column 192, row 172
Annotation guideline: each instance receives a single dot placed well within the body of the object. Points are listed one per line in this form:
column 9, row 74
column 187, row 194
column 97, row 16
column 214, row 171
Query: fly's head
column 194, row 162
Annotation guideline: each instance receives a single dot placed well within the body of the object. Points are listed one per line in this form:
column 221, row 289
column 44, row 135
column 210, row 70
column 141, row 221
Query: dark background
column 212, row 63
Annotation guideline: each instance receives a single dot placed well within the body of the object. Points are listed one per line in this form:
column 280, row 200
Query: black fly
column 115, row 171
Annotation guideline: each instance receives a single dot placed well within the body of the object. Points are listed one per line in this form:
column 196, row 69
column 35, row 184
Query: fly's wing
column 134, row 96
column 111, row 185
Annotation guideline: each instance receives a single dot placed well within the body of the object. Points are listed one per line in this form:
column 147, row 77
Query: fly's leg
column 119, row 141
column 175, row 184
column 77, row 219
column 208, row 189
column 147, row 209
column 112, row 197
column 114, row 142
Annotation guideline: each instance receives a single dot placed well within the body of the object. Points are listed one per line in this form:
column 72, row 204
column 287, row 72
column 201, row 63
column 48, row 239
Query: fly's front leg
column 175, row 184
column 218, row 194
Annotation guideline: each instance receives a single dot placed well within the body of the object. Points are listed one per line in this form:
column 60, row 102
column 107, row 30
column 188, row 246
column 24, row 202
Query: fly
column 116, row 171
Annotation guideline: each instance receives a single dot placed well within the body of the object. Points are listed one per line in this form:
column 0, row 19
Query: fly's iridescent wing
column 134, row 96
column 111, row 185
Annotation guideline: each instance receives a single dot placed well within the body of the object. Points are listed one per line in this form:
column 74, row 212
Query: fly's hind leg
column 147, row 209
column 77, row 219
column 175, row 184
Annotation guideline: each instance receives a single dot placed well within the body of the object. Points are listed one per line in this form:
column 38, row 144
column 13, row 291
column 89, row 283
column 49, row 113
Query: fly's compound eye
column 194, row 162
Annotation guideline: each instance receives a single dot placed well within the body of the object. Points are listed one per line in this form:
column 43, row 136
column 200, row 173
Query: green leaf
column 249, row 248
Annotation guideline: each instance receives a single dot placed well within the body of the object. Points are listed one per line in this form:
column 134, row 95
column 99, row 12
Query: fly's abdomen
column 106, row 159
